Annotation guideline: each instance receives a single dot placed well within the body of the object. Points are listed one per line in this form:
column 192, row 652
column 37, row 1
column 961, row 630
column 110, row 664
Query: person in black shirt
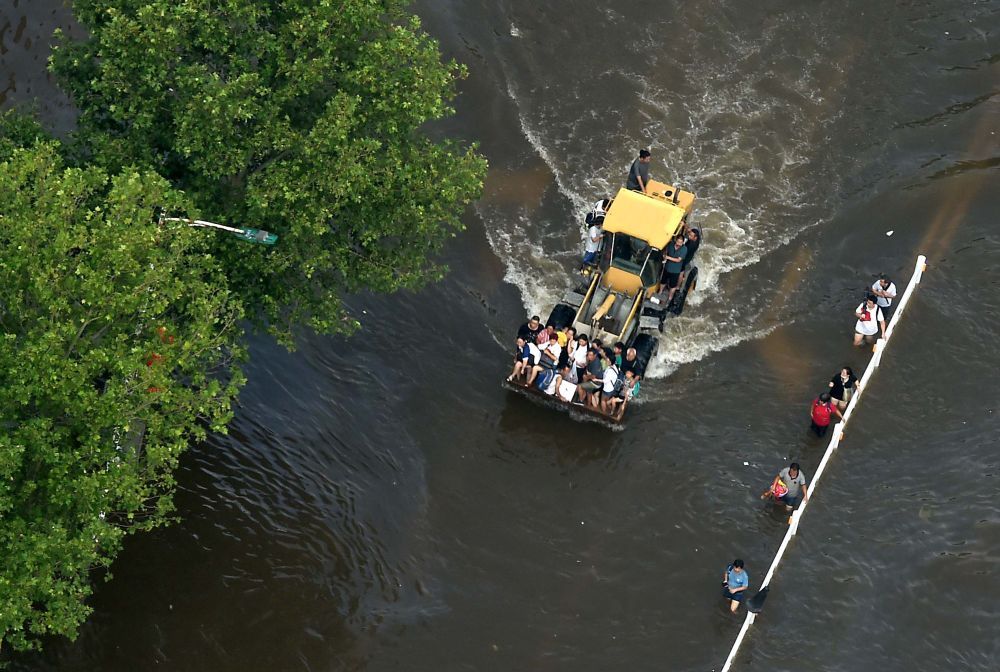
column 630, row 361
column 842, row 387
column 529, row 330
column 638, row 174
column 691, row 246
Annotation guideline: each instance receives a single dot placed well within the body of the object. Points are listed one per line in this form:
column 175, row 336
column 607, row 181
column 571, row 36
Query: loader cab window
column 652, row 269
column 635, row 256
column 628, row 254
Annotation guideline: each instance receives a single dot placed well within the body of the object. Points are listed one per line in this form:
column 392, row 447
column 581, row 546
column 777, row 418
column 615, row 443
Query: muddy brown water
column 381, row 504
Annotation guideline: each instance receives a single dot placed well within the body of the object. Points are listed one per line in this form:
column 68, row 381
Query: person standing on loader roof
column 638, row 174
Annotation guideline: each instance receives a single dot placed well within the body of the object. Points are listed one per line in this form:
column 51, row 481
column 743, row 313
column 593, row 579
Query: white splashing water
column 724, row 153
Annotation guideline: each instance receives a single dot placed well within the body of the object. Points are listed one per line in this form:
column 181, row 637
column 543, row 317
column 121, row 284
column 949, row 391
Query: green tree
column 118, row 341
column 304, row 117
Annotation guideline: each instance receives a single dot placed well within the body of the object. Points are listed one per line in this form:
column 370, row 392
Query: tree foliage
column 118, row 341
column 119, row 336
column 303, row 117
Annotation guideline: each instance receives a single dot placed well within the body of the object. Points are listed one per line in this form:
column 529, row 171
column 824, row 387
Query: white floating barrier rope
column 838, row 436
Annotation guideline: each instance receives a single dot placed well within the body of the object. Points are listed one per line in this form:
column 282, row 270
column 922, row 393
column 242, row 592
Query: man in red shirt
column 821, row 411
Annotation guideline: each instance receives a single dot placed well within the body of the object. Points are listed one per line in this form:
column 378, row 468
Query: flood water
column 382, row 504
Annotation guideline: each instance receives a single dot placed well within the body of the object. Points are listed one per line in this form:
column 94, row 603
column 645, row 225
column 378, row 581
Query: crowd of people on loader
column 576, row 369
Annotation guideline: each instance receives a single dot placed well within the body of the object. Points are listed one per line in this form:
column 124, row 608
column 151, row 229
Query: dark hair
column 883, row 276
column 535, row 318
column 870, row 297
column 825, row 396
column 793, row 465
column 584, row 337
column 849, row 370
column 738, row 563
column 618, row 346
column 643, row 153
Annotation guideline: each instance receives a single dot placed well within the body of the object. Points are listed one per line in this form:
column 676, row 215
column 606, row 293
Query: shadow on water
column 557, row 436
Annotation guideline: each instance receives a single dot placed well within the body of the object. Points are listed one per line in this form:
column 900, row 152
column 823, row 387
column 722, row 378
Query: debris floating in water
column 889, row 233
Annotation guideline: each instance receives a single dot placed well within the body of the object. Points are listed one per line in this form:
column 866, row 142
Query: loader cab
column 633, row 256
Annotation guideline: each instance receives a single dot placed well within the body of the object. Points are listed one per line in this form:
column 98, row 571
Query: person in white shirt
column 611, row 386
column 870, row 320
column 885, row 292
column 601, row 207
column 549, row 359
column 593, row 244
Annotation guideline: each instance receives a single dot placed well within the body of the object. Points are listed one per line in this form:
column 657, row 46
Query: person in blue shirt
column 735, row 582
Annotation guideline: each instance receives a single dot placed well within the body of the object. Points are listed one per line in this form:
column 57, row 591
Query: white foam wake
column 756, row 189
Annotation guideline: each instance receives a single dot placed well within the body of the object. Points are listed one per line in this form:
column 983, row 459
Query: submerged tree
column 118, row 342
column 304, row 117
